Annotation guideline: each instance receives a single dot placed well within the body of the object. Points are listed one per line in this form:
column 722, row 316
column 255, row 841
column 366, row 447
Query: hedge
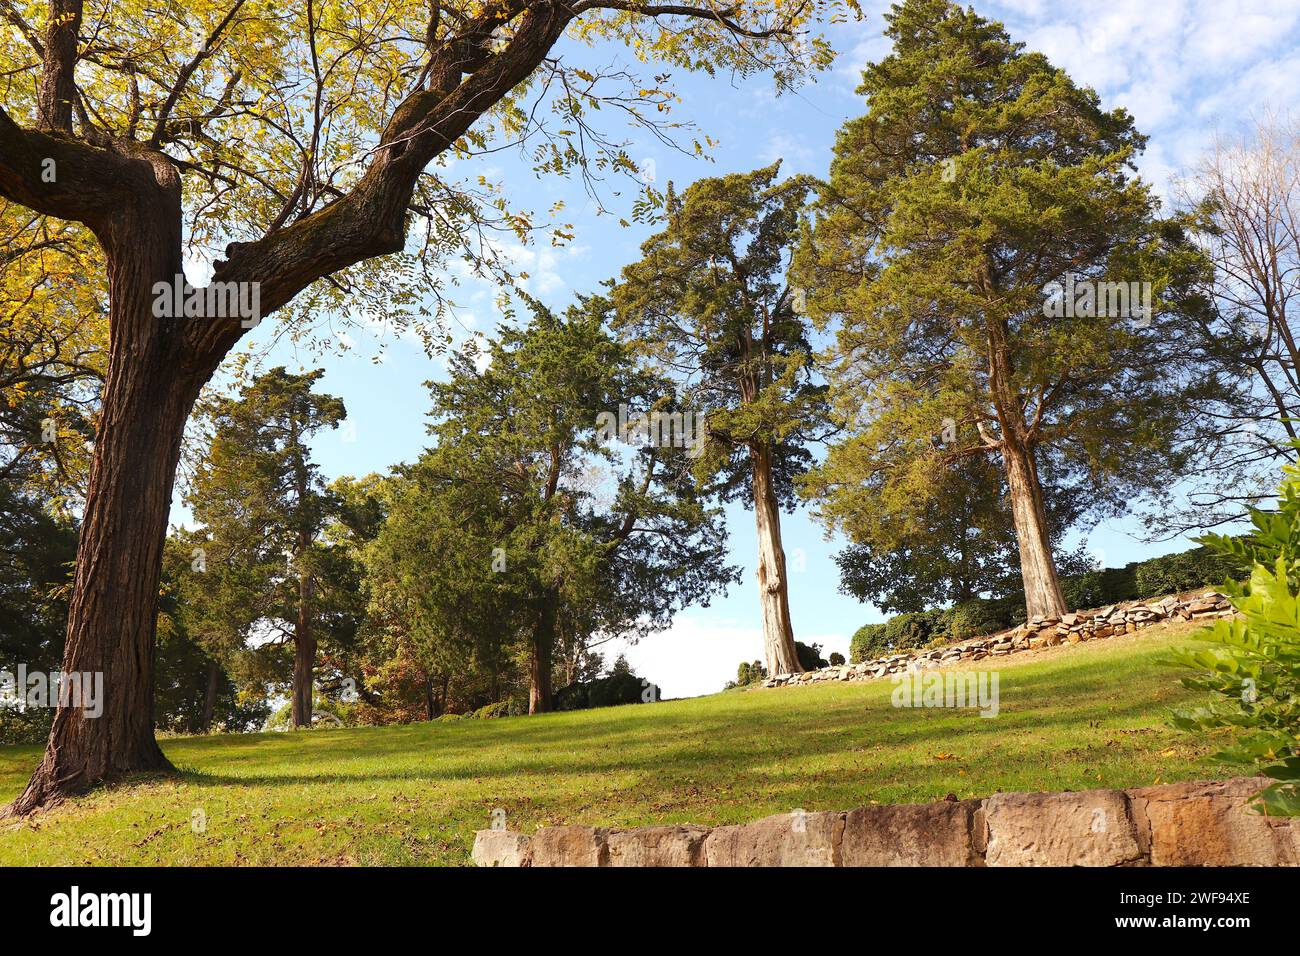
column 1169, row 574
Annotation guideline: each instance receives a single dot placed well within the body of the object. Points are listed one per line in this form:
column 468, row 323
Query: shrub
column 1187, row 571
column 980, row 616
column 1252, row 668
column 836, row 659
column 500, row 708
column 905, row 632
column 25, row 726
column 1100, row 587
column 810, row 655
column 867, row 642
column 748, row 673
column 623, row 687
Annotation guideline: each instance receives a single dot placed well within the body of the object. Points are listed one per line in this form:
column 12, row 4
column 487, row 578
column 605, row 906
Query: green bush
column 1100, row 587
column 980, row 616
column 1091, row 589
column 836, row 659
column 1188, row 571
column 608, row 691
column 500, row 708
column 748, row 673
column 867, row 642
column 810, row 656
column 25, row 726
column 1252, row 666
column 900, row 633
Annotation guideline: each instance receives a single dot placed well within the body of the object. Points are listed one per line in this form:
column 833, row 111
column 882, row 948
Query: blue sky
column 1184, row 68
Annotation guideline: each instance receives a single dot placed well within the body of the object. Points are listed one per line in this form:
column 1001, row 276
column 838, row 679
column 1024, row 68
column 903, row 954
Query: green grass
column 1071, row 718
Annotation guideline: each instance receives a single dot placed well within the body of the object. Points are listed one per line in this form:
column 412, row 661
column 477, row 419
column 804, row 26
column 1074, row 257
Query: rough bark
column 304, row 653
column 58, row 89
column 773, row 584
column 113, row 610
column 540, row 659
column 210, row 696
column 1043, row 597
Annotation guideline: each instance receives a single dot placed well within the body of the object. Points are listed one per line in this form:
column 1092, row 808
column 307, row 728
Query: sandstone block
column 657, row 846
column 787, row 839
column 1092, row 828
column 925, row 834
column 569, row 846
column 500, row 848
column 1211, row 824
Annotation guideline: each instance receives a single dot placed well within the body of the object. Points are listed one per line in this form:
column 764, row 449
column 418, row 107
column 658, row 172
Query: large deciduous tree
column 300, row 140
column 980, row 191
column 1244, row 196
column 709, row 301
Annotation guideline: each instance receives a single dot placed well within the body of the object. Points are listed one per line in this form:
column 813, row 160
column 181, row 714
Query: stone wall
column 1182, row 824
column 1038, row 633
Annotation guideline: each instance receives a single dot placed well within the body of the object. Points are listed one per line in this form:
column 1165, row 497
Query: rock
column 569, row 846
column 501, row 848
column 926, row 834
column 787, row 839
column 657, row 846
column 1212, row 824
column 1092, row 828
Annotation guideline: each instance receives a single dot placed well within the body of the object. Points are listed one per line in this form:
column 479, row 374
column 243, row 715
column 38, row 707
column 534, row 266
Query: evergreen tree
column 972, row 218
column 263, row 575
column 709, row 300
column 525, row 529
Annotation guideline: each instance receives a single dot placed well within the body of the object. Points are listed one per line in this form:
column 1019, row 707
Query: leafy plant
column 1252, row 666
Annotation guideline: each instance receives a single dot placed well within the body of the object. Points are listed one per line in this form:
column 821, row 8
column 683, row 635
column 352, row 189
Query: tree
column 1244, row 198
column 929, row 546
column 53, row 347
column 301, row 144
column 1003, row 287
column 262, row 564
column 709, row 300
column 920, row 550
column 498, row 538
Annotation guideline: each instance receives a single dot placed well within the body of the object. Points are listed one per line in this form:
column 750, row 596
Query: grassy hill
column 1071, row 718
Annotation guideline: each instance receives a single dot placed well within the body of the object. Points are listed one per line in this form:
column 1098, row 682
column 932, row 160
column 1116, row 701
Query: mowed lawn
column 1070, row 718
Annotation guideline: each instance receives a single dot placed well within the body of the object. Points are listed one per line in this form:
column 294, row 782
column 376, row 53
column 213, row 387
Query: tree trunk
column 539, row 665
column 1043, row 597
column 430, row 703
column 210, row 697
column 304, row 650
column 773, row 589
column 112, row 614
